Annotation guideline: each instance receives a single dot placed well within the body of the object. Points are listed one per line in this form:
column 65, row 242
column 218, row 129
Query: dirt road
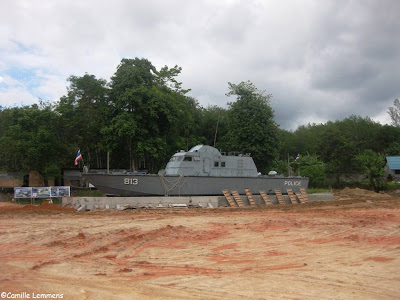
column 348, row 249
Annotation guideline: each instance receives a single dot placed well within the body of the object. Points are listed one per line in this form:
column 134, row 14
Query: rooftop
column 393, row 162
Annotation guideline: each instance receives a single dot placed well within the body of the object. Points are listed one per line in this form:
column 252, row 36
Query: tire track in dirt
column 119, row 245
column 251, row 254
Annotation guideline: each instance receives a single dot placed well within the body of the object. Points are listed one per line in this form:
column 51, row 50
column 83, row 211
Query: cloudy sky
column 321, row 60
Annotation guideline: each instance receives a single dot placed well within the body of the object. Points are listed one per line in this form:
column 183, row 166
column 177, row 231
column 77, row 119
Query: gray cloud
column 321, row 60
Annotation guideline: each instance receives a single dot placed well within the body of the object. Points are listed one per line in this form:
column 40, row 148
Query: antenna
column 216, row 131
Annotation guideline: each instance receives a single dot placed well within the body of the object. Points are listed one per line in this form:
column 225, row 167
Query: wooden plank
column 304, row 194
column 278, row 194
column 292, row 196
column 237, row 198
column 300, row 196
column 264, row 196
column 250, row 197
column 229, row 198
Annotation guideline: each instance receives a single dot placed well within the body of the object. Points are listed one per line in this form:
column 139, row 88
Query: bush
column 316, row 173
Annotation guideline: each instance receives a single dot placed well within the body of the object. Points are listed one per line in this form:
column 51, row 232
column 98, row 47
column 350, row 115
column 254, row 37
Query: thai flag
column 298, row 157
column 78, row 157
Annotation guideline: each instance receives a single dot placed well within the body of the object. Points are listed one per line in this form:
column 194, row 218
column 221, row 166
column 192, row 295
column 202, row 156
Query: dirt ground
column 344, row 249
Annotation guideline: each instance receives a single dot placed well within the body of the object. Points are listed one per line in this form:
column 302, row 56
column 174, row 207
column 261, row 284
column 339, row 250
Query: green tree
column 84, row 111
column 393, row 149
column 280, row 166
column 251, row 126
column 286, row 144
column 31, row 139
column 373, row 165
column 213, row 125
column 150, row 111
column 313, row 168
column 188, row 133
column 360, row 131
column 305, row 138
column 394, row 113
column 387, row 140
column 340, row 142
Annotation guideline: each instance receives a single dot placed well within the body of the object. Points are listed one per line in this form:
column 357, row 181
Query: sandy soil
column 346, row 249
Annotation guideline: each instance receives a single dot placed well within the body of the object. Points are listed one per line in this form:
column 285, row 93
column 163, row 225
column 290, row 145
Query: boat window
column 187, row 158
column 222, row 164
column 196, row 158
column 216, row 164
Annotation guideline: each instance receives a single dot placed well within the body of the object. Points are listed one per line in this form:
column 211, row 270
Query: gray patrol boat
column 203, row 170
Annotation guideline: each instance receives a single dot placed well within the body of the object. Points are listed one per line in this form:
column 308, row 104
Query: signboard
column 42, row 192
column 60, row 191
column 22, row 192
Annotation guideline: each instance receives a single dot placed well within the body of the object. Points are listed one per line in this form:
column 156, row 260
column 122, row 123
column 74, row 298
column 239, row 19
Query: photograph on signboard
column 40, row 192
column 60, row 191
column 22, row 192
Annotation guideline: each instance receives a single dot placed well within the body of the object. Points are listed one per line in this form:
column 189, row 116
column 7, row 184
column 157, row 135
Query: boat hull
column 155, row 185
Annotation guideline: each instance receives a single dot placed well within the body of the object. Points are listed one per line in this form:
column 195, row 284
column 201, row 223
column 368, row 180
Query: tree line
column 143, row 115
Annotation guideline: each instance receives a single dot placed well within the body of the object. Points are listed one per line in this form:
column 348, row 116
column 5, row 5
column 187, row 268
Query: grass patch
column 392, row 186
column 86, row 193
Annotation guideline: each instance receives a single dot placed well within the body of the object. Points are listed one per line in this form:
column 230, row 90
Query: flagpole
column 216, row 131
column 82, row 159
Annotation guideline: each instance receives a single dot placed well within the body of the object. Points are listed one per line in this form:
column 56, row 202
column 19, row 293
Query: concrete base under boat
column 92, row 203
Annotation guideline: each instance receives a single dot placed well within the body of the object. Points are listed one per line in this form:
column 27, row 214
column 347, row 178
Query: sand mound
column 348, row 193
